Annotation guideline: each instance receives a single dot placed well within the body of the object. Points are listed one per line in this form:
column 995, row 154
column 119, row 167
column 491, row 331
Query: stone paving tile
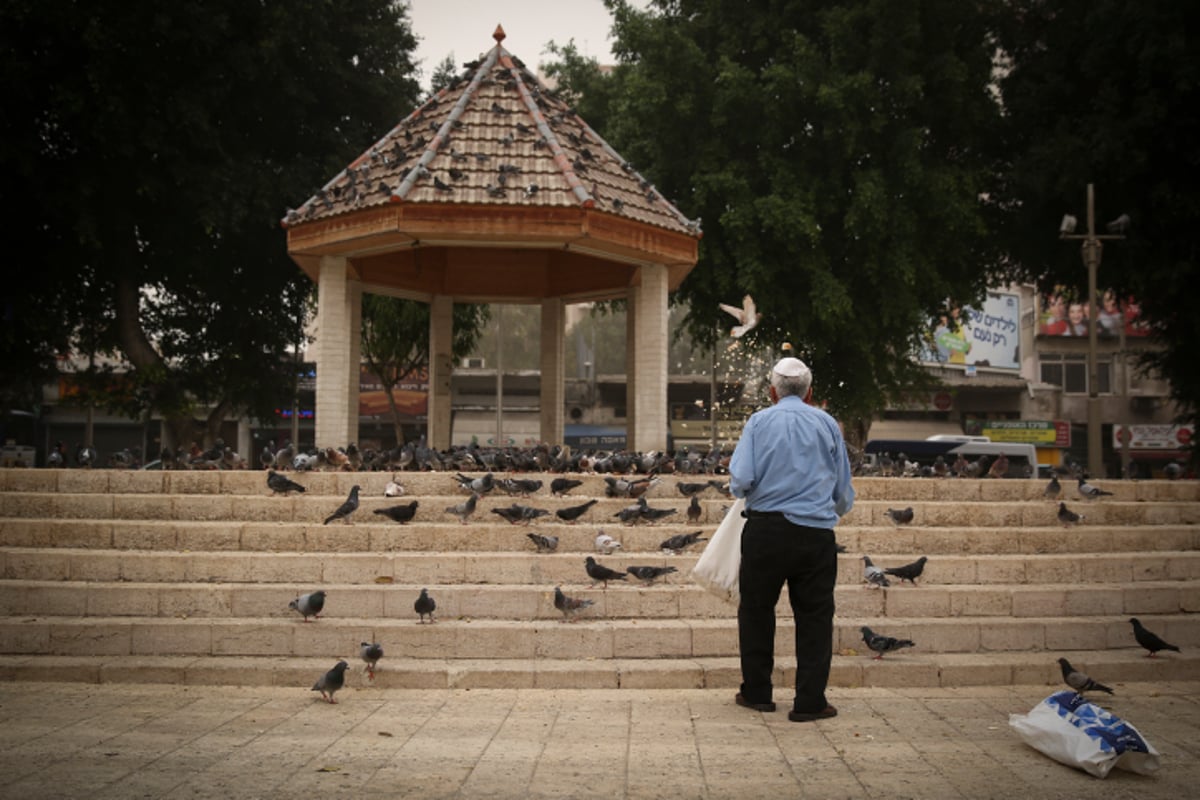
column 110, row 741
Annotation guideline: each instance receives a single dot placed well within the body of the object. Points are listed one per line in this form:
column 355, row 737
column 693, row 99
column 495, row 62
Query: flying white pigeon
column 747, row 316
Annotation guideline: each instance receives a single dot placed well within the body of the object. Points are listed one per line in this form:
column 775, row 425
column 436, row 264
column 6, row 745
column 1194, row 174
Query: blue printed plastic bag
column 1073, row 731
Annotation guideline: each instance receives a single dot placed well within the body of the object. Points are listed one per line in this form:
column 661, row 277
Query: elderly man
column 792, row 469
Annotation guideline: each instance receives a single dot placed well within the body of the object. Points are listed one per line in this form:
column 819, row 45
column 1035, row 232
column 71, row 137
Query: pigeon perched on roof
column 281, row 484
column 873, row 575
column 345, row 509
column 569, row 606
column 908, row 572
column 561, row 486
column 900, row 516
column 573, row 513
column 545, row 544
column 606, row 544
column 598, row 572
column 650, row 574
column 680, row 542
column 309, row 605
column 881, row 644
column 370, row 652
column 425, row 606
column 331, row 681
column 465, row 509
column 1090, row 491
column 1149, row 640
column 1053, row 489
column 1080, row 681
column 401, row 513
column 1066, row 516
column 747, row 316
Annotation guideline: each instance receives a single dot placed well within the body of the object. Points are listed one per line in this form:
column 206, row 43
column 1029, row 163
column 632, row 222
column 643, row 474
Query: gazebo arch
column 494, row 190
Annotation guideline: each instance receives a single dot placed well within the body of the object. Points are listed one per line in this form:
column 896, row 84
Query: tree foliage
column 836, row 151
column 149, row 151
column 1108, row 92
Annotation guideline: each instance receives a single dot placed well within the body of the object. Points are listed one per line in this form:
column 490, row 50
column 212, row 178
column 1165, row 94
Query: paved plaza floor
column 70, row 740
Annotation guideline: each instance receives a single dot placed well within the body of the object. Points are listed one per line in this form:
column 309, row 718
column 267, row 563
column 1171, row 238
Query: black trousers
column 774, row 552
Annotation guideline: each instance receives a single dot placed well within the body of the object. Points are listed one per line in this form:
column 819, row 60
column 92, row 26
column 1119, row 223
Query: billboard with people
column 1065, row 311
column 987, row 336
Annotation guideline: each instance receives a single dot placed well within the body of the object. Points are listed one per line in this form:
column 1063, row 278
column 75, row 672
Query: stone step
column 565, row 567
column 194, row 536
column 1112, row 667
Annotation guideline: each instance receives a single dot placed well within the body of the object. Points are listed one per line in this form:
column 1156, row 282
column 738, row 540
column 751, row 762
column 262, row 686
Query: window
column 1069, row 370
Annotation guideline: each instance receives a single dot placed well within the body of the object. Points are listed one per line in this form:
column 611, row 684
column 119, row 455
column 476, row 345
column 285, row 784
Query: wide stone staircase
column 185, row 577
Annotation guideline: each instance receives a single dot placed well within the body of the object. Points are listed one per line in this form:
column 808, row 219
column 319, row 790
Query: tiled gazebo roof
column 496, row 159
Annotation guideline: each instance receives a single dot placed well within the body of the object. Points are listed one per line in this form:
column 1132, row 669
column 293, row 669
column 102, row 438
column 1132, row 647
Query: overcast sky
column 464, row 28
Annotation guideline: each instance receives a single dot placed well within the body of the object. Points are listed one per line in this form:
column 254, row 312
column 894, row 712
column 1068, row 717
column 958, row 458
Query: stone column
column 441, row 365
column 354, row 325
column 650, row 367
column 334, row 354
column 553, row 396
column 631, row 362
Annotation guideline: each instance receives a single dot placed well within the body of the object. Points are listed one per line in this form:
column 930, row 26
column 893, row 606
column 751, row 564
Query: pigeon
column 570, row 515
column 401, row 514
column 424, row 606
column 908, row 572
column 883, row 644
column 599, row 572
column 393, row 488
column 631, row 514
column 691, row 489
column 513, row 513
column 999, row 468
column 677, row 544
column 281, row 484
column 480, row 486
column 606, row 544
column 1066, row 516
column 722, row 488
column 694, row 510
column 1149, row 640
column 569, row 606
column 650, row 574
column 545, row 544
column 653, row 515
column 747, row 316
column 1089, row 491
column 873, row 575
column 900, row 516
column 1053, row 489
column 331, row 681
column 521, row 486
column 309, row 605
column 1079, row 681
column 560, row 486
column 465, row 509
column 1172, row 471
column 345, row 509
column 370, row 652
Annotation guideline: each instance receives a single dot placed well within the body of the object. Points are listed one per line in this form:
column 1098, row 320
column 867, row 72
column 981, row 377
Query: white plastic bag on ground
column 718, row 566
column 1080, row 734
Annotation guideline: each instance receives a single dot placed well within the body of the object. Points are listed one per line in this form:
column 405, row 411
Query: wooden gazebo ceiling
column 494, row 189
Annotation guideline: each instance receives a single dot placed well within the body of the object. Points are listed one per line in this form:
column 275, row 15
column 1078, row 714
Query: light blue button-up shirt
column 792, row 458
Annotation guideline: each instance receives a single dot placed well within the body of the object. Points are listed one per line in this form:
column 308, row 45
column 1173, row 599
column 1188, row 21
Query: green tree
column 395, row 340
column 148, row 152
column 443, row 75
column 1108, row 92
column 836, row 152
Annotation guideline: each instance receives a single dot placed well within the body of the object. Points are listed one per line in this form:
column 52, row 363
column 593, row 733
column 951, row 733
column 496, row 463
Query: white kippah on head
column 790, row 367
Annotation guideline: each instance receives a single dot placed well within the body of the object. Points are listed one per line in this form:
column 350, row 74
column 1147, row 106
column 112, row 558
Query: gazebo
column 494, row 190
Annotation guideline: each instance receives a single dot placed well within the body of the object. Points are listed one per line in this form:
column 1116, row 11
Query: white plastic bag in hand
column 1080, row 734
column 718, row 566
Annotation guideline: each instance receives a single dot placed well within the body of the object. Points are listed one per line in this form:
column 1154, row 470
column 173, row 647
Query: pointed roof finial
column 498, row 34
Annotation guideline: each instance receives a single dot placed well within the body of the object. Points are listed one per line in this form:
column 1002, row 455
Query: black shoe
column 744, row 703
column 811, row 716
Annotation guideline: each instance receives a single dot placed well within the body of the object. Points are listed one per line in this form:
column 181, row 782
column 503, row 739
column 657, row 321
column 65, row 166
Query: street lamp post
column 1091, row 248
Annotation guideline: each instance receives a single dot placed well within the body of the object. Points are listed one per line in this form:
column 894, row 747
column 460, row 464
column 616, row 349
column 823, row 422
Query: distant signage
column 411, row 394
column 1065, row 311
column 977, row 337
column 1153, row 437
column 1028, row 431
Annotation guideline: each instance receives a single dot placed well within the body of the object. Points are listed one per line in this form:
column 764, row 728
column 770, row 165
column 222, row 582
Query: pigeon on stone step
column 606, row 544
column 680, row 542
column 650, row 574
column 873, row 575
column 481, row 485
column 900, row 516
column 309, row 605
column 545, row 544
column 1053, row 489
column 281, row 484
column 393, row 488
column 653, row 515
column 331, row 681
column 465, row 509
column 1089, row 491
column 425, row 606
column 694, row 510
column 401, row 514
column 345, row 509
column 573, row 513
column 631, row 514
column 1079, row 681
column 370, row 652
column 1149, row 640
column 598, row 572
column 881, row 644
column 569, row 606
column 908, row 572
column 1066, row 516
column 561, row 486
column 691, row 489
